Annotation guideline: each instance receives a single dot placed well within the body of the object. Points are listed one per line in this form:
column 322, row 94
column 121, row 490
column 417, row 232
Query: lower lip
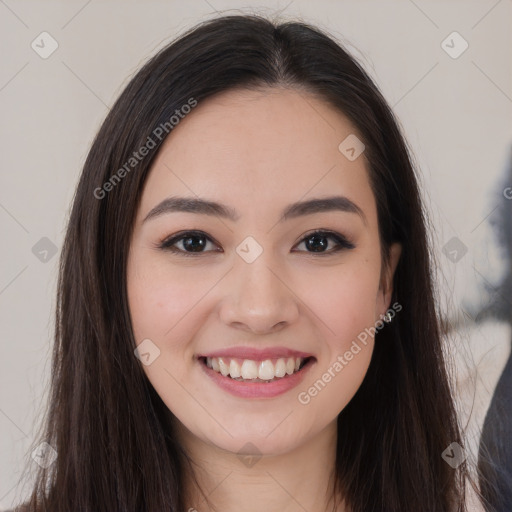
column 258, row 389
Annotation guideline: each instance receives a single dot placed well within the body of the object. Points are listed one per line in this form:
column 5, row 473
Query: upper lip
column 257, row 354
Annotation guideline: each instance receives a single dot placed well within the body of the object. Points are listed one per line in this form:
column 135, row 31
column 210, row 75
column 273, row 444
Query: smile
column 250, row 378
column 259, row 371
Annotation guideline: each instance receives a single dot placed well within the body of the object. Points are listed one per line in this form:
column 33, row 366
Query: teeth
column 252, row 370
column 224, row 368
column 266, row 370
column 234, row 369
column 249, row 369
column 280, row 369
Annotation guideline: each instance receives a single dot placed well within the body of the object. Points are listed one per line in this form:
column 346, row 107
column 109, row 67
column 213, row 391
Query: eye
column 318, row 241
column 193, row 243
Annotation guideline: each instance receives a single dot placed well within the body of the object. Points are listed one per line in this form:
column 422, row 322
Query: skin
column 257, row 152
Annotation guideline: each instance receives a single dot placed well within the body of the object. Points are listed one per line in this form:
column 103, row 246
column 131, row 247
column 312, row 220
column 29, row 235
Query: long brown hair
column 116, row 450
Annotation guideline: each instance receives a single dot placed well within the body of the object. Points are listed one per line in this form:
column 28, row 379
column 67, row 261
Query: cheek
column 344, row 300
column 160, row 298
column 161, row 312
column 344, row 303
column 162, row 304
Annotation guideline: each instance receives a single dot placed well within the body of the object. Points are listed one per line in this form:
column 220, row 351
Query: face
column 249, row 284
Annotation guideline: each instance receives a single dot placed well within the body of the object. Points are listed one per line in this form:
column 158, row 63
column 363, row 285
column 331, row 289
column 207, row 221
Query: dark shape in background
column 495, row 452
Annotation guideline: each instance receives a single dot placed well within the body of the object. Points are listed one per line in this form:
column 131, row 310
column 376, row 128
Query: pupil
column 194, row 247
column 197, row 242
column 318, row 239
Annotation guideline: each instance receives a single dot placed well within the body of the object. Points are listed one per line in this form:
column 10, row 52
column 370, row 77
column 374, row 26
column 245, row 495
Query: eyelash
column 168, row 243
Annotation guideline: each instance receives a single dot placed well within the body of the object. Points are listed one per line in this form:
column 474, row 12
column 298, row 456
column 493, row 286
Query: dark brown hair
column 116, row 450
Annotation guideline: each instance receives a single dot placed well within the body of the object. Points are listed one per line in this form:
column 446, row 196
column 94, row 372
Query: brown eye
column 318, row 242
column 192, row 242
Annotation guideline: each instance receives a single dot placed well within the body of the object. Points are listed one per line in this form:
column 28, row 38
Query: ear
column 386, row 283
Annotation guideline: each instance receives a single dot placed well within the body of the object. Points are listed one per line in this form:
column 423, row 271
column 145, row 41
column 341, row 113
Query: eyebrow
column 294, row 210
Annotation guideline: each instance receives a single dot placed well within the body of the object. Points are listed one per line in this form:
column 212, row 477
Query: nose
column 258, row 298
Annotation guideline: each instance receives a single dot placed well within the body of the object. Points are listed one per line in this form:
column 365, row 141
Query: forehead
column 247, row 148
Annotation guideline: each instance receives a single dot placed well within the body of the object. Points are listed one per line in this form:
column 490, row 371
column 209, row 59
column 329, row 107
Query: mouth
column 256, row 371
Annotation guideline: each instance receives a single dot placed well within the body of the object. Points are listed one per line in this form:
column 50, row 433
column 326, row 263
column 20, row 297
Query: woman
column 246, row 317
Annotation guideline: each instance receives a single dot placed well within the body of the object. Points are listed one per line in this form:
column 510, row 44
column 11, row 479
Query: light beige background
column 456, row 114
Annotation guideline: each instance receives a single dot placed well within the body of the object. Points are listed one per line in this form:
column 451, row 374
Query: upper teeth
column 249, row 369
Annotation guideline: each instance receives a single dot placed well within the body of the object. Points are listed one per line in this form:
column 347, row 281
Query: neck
column 301, row 479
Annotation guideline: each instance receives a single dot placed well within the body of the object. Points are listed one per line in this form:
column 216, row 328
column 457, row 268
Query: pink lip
column 256, row 354
column 258, row 389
